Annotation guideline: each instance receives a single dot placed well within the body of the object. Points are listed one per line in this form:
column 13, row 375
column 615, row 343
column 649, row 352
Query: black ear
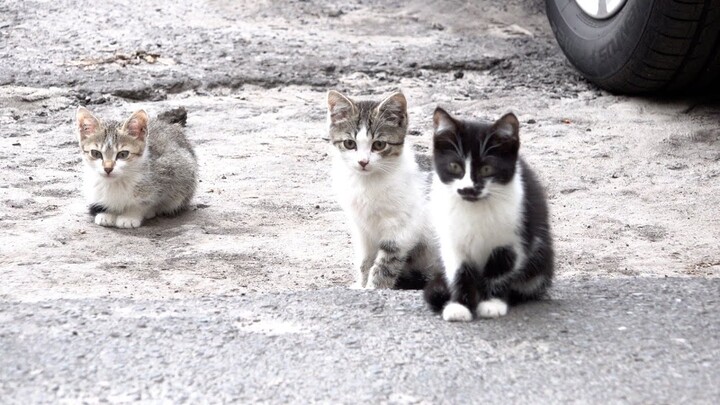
column 340, row 108
column 394, row 108
column 443, row 121
column 507, row 126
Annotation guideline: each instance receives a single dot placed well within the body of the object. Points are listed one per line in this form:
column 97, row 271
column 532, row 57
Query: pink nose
column 363, row 163
column 108, row 170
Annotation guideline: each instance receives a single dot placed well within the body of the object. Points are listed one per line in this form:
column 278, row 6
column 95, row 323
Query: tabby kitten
column 134, row 169
column 380, row 187
column 491, row 216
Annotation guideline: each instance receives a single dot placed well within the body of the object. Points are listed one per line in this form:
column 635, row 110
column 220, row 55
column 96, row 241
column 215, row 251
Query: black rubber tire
column 649, row 46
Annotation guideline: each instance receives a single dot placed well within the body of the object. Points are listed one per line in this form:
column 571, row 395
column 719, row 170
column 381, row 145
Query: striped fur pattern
column 491, row 216
column 135, row 169
column 383, row 192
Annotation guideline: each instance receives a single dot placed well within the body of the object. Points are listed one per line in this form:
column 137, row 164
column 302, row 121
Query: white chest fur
column 470, row 231
column 384, row 206
column 117, row 195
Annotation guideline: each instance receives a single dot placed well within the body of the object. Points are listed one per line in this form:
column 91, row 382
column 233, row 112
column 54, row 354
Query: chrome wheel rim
column 600, row 9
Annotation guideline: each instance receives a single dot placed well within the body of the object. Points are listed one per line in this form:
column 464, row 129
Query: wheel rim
column 600, row 9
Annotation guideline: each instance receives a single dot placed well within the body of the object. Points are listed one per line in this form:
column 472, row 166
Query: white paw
column 356, row 286
column 128, row 222
column 105, row 219
column 455, row 312
column 492, row 308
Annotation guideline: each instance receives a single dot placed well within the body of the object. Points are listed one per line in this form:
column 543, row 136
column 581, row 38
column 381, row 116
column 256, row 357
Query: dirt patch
column 632, row 183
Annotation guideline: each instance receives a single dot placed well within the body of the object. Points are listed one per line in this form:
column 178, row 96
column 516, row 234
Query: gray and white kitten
column 136, row 169
column 383, row 192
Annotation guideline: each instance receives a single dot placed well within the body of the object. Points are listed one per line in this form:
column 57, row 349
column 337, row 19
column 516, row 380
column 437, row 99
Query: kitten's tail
column 174, row 116
column 96, row 208
column 437, row 293
column 539, row 292
column 414, row 280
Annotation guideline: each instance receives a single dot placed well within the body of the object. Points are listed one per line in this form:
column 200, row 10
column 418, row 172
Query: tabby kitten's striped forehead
column 111, row 148
column 92, row 130
column 383, row 123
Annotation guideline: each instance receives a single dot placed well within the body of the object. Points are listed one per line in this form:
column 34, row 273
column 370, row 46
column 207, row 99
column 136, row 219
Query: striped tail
column 437, row 293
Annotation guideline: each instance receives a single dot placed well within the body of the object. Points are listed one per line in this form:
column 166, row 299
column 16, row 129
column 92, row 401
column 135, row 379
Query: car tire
column 648, row 46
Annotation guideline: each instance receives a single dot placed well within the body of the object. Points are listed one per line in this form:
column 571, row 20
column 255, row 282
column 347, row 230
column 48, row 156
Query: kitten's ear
column 394, row 108
column 86, row 123
column 443, row 121
column 340, row 108
column 136, row 126
column 507, row 126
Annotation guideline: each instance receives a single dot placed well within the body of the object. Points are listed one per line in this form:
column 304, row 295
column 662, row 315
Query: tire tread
column 678, row 50
column 684, row 59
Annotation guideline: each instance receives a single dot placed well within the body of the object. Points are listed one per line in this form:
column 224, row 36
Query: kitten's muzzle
column 469, row 193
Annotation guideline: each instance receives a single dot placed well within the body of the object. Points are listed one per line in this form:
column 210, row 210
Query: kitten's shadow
column 164, row 227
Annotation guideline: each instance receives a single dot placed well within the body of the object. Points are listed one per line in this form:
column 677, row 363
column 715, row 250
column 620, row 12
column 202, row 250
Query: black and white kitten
column 491, row 217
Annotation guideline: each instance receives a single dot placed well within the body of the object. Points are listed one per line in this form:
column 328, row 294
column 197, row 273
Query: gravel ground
column 607, row 341
column 632, row 184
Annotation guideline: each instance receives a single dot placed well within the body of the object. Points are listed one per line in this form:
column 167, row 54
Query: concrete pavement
column 639, row 340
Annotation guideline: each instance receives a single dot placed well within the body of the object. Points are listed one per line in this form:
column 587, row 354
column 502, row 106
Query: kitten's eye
column 123, row 154
column 96, row 154
column 455, row 168
column 377, row 146
column 349, row 144
column 487, row 170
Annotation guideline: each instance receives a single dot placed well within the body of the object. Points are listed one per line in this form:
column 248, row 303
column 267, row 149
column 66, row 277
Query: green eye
column 377, row 146
column 123, row 154
column 487, row 170
column 349, row 144
column 455, row 168
column 96, row 154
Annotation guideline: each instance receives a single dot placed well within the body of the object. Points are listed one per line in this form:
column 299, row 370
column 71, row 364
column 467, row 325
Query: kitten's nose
column 108, row 170
column 363, row 163
column 467, row 192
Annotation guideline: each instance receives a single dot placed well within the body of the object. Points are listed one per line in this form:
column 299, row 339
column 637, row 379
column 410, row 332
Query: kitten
column 135, row 169
column 382, row 190
column 490, row 213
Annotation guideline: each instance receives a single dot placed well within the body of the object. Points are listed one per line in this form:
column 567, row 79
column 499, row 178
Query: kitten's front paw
column 105, row 219
column 492, row 308
column 375, row 281
column 356, row 286
column 378, row 284
column 128, row 222
column 455, row 312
